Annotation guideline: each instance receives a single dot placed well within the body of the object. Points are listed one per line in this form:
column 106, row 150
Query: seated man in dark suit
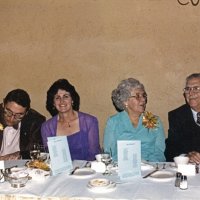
column 184, row 124
column 19, row 126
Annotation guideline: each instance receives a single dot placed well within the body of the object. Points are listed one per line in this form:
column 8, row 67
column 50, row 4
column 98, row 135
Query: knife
column 72, row 172
column 149, row 174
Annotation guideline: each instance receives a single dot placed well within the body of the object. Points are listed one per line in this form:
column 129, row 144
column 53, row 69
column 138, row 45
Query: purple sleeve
column 92, row 129
column 44, row 134
column 93, row 138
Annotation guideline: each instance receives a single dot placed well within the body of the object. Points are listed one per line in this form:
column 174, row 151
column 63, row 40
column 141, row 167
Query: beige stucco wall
column 97, row 43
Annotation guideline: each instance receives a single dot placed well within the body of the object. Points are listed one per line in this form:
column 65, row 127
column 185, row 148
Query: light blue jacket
column 119, row 127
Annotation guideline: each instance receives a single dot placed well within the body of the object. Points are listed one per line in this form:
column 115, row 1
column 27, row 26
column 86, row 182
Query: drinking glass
column 106, row 159
column 44, row 155
column 41, row 148
column 35, row 152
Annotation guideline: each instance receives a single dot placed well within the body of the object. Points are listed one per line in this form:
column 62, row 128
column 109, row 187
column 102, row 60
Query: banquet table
column 64, row 186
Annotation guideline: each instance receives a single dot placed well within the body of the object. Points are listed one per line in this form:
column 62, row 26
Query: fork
column 164, row 166
column 157, row 167
column 87, row 164
column 72, row 172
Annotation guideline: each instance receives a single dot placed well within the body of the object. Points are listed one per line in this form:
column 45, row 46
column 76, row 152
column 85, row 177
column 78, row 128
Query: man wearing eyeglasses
column 184, row 123
column 19, row 126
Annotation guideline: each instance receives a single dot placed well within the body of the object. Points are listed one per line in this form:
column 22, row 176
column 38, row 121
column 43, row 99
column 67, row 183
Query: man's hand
column 12, row 156
column 194, row 157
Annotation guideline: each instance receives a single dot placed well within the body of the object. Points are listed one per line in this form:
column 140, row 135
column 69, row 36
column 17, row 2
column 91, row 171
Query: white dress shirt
column 195, row 116
column 10, row 142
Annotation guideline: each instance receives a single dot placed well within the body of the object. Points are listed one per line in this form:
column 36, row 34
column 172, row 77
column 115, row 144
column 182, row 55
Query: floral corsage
column 149, row 120
column 1, row 127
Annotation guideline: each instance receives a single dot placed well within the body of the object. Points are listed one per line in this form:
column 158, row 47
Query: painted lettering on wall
column 186, row 2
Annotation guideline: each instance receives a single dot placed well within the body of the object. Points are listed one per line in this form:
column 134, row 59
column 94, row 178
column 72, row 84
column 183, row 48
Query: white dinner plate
column 162, row 176
column 146, row 166
column 84, row 173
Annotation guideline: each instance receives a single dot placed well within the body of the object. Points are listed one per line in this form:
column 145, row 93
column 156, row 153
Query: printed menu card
column 129, row 159
column 59, row 154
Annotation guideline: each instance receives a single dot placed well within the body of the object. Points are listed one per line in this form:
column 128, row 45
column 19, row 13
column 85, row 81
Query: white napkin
column 187, row 169
column 98, row 166
column 38, row 174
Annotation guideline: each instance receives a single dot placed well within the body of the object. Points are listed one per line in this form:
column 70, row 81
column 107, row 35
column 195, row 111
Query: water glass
column 35, row 152
column 106, row 159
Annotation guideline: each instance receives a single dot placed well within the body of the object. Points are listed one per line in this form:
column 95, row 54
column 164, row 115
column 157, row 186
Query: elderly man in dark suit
column 184, row 124
column 19, row 126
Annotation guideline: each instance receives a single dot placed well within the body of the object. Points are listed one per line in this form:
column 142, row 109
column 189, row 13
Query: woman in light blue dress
column 132, row 122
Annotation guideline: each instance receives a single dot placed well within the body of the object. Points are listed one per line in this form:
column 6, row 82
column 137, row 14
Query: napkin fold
column 98, row 166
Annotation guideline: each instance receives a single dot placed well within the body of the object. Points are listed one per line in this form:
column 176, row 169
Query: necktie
column 198, row 118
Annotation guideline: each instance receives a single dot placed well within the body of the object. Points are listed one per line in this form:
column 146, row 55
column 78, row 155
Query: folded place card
column 187, row 169
column 129, row 159
column 59, row 154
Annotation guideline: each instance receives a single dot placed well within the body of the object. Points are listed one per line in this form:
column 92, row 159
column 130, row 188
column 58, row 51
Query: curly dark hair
column 62, row 84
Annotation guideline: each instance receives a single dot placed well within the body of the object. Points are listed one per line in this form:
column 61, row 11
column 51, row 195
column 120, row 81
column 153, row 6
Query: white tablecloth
column 66, row 186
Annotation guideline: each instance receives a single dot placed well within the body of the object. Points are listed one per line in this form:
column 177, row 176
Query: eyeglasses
column 194, row 89
column 9, row 113
column 139, row 96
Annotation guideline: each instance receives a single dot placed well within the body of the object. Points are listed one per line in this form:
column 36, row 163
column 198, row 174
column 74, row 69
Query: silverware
column 164, row 166
column 72, row 172
column 149, row 174
column 157, row 166
column 87, row 164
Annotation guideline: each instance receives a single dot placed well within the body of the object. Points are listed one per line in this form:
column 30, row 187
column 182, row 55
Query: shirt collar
column 194, row 113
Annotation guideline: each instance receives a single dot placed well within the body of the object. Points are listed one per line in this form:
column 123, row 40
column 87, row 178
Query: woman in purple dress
column 81, row 129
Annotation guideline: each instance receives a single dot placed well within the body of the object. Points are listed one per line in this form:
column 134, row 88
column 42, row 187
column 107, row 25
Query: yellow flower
column 1, row 127
column 149, row 120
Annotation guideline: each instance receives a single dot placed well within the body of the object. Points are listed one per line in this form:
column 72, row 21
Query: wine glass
column 44, row 155
column 35, row 152
column 106, row 159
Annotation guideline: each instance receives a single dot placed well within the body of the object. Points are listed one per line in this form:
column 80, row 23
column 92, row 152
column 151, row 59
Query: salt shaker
column 183, row 183
column 178, row 179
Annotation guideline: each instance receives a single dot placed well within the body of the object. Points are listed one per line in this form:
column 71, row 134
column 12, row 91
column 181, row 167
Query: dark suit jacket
column 183, row 133
column 29, row 131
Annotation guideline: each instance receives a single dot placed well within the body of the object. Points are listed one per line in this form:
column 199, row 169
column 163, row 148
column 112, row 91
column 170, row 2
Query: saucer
column 99, row 182
column 101, row 185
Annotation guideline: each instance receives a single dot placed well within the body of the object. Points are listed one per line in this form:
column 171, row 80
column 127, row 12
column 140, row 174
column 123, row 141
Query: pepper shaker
column 178, row 179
